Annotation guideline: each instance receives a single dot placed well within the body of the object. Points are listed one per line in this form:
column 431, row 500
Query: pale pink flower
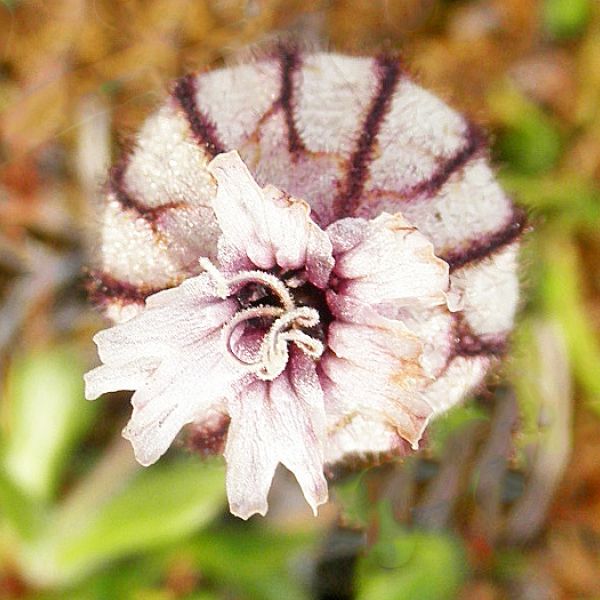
column 286, row 334
column 307, row 337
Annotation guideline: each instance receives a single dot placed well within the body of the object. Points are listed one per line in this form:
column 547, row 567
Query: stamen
column 225, row 286
column 256, row 312
column 268, row 280
column 308, row 344
column 273, row 353
column 303, row 316
column 274, row 349
column 295, row 280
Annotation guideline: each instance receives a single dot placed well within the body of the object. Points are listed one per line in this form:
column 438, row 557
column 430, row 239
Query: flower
column 354, row 138
column 297, row 333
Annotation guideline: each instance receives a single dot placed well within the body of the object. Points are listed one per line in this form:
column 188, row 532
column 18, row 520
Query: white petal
column 276, row 422
column 105, row 378
column 387, row 259
column 172, row 355
column 357, row 437
column 171, row 319
column 266, row 225
column 182, row 390
column 374, row 369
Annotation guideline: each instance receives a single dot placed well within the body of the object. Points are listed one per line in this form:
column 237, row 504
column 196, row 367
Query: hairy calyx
column 286, row 321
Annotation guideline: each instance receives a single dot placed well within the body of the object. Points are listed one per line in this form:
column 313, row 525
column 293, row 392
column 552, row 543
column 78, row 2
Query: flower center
column 267, row 299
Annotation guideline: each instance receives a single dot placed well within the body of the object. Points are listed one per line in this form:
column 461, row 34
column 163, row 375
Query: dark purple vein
column 103, row 288
column 128, row 202
column 347, row 201
column 290, row 61
column 488, row 244
column 203, row 130
column 469, row 344
column 475, row 141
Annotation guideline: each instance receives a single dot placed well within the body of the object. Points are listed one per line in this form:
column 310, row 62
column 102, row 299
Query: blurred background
column 503, row 502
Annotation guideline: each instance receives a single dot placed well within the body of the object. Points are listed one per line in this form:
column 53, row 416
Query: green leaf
column 158, row 505
column 351, row 495
column 523, row 371
column 254, row 561
column 126, row 580
column 23, row 514
column 529, row 140
column 45, row 416
column 417, row 564
column 10, row 4
column 570, row 198
column 240, row 560
column 405, row 564
column 432, row 568
column 563, row 300
column 452, row 421
column 566, row 18
column 531, row 144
